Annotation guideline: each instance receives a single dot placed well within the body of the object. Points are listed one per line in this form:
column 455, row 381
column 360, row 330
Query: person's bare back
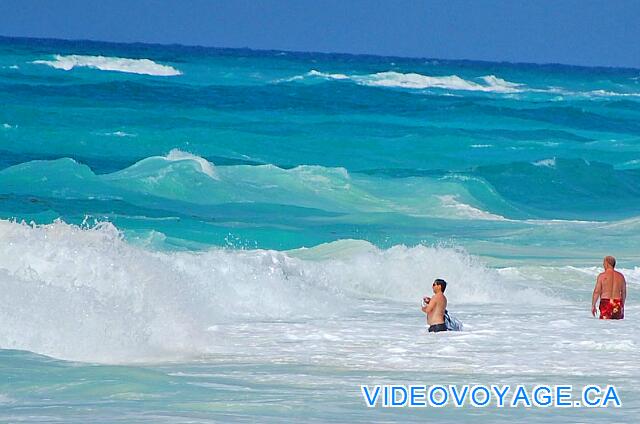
column 611, row 289
column 612, row 283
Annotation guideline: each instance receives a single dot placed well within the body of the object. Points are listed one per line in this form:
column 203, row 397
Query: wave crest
column 86, row 294
column 451, row 82
column 116, row 64
column 205, row 166
column 186, row 177
column 463, row 210
column 418, row 81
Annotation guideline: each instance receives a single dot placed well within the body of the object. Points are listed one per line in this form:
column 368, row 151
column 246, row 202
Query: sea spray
column 85, row 293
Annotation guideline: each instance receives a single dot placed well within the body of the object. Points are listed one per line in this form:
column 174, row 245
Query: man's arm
column 624, row 290
column 431, row 305
column 596, row 294
column 425, row 301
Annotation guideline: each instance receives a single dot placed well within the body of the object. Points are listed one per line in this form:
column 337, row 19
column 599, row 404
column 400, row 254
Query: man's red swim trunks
column 611, row 309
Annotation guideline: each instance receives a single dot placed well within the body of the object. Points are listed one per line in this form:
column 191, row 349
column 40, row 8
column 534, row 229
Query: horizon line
column 311, row 52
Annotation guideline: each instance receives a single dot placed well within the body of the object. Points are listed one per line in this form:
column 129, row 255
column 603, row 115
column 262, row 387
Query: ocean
column 193, row 234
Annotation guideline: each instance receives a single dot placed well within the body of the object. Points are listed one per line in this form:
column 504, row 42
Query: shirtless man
column 435, row 306
column 611, row 288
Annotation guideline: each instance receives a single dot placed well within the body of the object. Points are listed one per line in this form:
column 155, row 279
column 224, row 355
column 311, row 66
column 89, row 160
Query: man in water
column 435, row 307
column 611, row 288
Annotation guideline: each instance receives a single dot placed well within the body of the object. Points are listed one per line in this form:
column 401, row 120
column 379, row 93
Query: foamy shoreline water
column 163, row 305
column 315, row 367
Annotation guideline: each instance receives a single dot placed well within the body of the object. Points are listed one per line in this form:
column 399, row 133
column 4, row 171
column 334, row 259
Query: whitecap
column 549, row 163
column 452, row 82
column 205, row 166
column 488, row 83
column 414, row 80
column 464, row 210
column 137, row 303
column 121, row 134
column 314, row 73
column 630, row 164
column 606, row 93
column 494, row 81
column 116, row 64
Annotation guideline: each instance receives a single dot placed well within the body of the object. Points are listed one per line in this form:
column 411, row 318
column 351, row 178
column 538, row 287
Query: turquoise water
column 200, row 234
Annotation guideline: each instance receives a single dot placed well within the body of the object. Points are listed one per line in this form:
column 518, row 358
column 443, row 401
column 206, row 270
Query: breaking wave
column 491, row 83
column 467, row 211
column 86, row 294
column 486, row 83
column 116, row 64
column 183, row 176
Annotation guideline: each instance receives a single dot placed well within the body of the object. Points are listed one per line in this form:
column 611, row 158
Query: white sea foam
column 606, row 93
column 116, row 64
column 494, row 81
column 488, row 83
column 599, row 93
column 120, row 134
column 4, row 399
column 7, row 126
column 451, row 82
column 634, row 163
column 205, row 166
column 85, row 293
column 419, row 81
column 549, row 163
column 571, row 276
column 314, row 73
column 463, row 210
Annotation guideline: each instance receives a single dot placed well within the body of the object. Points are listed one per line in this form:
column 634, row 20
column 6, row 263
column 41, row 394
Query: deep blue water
column 312, row 148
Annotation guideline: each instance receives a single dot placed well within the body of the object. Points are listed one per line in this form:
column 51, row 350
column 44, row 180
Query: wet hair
column 610, row 260
column 441, row 283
